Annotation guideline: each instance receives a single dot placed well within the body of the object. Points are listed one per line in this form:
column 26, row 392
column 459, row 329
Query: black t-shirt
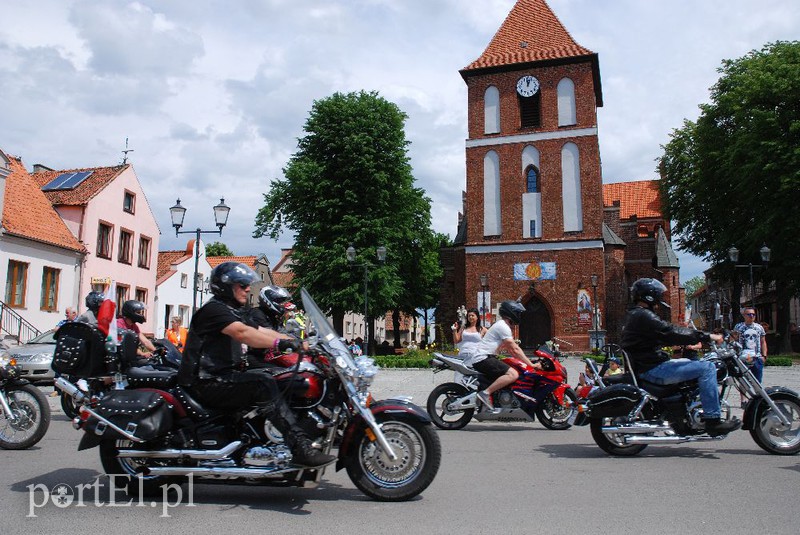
column 255, row 317
column 208, row 352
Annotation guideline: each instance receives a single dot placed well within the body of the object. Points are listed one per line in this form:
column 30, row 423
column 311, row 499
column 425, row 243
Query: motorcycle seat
column 148, row 377
column 660, row 391
column 195, row 411
column 626, row 378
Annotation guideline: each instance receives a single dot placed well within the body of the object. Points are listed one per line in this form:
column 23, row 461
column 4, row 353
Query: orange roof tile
column 530, row 33
column 85, row 191
column 27, row 213
column 214, row 261
column 640, row 198
column 284, row 279
column 166, row 259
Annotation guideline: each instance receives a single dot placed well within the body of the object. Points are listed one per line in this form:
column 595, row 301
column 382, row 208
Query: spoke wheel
column 29, row 420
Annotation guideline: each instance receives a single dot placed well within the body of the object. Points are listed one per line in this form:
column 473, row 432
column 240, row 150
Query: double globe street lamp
column 351, row 258
column 733, row 254
column 177, row 213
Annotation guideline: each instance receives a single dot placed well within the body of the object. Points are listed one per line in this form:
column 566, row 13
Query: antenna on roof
column 125, row 152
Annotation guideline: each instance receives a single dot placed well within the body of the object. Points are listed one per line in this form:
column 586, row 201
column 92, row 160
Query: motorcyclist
column 499, row 337
column 268, row 315
column 644, row 333
column 295, row 323
column 132, row 314
column 212, row 363
column 93, row 301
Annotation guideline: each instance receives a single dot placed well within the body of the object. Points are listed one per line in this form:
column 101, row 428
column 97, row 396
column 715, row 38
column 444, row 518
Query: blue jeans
column 681, row 370
column 758, row 368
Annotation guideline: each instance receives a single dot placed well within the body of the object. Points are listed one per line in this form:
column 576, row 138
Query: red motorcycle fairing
column 557, row 372
column 396, row 408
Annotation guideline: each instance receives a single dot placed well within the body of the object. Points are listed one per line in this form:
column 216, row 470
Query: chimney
column 39, row 168
column 5, row 170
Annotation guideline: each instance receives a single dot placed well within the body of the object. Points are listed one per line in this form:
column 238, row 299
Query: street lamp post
column 594, row 318
column 484, row 286
column 177, row 213
column 733, row 254
column 351, row 258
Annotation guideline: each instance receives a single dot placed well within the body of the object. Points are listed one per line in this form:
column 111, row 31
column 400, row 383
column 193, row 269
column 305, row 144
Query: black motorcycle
column 629, row 413
column 24, row 410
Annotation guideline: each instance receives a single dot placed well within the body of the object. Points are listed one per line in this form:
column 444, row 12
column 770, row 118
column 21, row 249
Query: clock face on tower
column 527, row 86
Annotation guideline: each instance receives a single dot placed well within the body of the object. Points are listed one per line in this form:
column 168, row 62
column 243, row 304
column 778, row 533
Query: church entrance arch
column 535, row 327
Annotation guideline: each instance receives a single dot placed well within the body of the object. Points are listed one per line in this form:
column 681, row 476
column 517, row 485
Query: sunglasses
column 244, row 286
column 749, row 314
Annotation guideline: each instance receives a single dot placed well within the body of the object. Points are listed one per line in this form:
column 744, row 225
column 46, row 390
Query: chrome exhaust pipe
column 638, row 429
column 70, row 389
column 203, row 455
column 669, row 440
column 200, row 471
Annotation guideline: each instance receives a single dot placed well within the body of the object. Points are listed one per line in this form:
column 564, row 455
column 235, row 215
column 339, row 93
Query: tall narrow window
column 491, row 110
column 532, row 180
column 532, row 198
column 122, row 296
column 49, row 300
column 566, row 103
column 104, row 240
column 491, row 194
column 530, row 110
column 16, row 283
column 571, row 188
column 125, row 246
column 144, row 252
column 129, row 202
column 141, row 295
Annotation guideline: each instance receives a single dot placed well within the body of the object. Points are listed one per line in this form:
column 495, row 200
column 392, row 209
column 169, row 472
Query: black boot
column 716, row 427
column 303, row 452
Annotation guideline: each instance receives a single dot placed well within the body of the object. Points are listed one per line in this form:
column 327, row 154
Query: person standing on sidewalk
column 753, row 338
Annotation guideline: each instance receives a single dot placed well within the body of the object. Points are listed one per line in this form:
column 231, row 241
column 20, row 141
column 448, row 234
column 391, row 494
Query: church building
column 538, row 224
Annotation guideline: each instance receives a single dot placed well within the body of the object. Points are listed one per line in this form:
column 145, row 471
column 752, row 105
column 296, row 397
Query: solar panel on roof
column 66, row 181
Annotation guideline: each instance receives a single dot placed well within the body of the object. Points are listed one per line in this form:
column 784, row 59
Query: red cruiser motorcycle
column 542, row 394
column 157, row 434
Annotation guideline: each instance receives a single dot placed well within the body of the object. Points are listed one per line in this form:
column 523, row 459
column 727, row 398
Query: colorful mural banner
column 535, row 271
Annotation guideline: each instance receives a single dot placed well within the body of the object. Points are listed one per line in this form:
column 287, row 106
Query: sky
column 212, row 95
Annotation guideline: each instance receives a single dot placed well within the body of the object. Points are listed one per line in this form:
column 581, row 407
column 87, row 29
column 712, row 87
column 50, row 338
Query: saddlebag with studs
column 135, row 415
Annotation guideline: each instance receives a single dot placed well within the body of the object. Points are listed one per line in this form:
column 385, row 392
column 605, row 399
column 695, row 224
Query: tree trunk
column 338, row 322
column 783, row 335
column 396, row 327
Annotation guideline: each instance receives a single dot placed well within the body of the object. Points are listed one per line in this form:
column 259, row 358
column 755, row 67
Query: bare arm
column 515, row 351
column 764, row 347
column 146, row 342
column 456, row 333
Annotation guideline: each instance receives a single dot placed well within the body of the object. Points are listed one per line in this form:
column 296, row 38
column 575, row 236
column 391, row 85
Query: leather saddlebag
column 614, row 400
column 145, row 415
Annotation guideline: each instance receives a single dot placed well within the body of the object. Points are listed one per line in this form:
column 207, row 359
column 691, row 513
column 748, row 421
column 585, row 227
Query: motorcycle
column 630, row 413
column 24, row 410
column 157, row 434
column 542, row 394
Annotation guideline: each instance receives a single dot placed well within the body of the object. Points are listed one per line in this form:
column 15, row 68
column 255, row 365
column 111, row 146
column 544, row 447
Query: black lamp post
column 177, row 213
column 733, row 254
column 484, row 286
column 594, row 318
column 351, row 258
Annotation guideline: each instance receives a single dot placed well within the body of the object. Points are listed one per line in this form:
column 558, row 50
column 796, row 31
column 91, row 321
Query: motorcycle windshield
column 325, row 331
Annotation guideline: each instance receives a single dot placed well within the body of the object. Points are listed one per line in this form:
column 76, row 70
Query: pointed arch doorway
column 535, row 327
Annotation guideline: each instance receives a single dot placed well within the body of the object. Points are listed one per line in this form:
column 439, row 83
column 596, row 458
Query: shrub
column 411, row 359
column 779, row 360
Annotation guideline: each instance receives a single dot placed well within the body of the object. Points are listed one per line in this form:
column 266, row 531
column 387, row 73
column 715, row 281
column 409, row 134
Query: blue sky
column 213, row 95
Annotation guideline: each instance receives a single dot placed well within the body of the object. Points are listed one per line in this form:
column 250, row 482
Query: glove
column 289, row 343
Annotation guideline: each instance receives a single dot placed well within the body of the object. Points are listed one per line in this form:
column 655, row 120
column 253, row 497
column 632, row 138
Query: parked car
column 35, row 357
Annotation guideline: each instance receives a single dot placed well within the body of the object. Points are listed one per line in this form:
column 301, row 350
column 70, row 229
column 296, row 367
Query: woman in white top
column 467, row 336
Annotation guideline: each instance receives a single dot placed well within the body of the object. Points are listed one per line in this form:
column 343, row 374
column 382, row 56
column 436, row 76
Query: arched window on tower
column 571, row 188
column 566, row 103
column 530, row 110
column 491, row 194
column 491, row 110
column 532, row 198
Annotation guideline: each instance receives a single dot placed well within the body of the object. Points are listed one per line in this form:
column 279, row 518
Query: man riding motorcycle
column 644, row 333
column 213, row 367
column 269, row 315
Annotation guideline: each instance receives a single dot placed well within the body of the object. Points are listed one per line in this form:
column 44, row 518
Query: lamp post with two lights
column 484, row 287
column 733, row 254
column 177, row 213
column 351, row 258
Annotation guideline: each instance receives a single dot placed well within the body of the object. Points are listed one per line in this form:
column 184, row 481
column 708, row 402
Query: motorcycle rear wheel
column 114, row 465
column 612, row 444
column 32, row 412
column 554, row 416
column 68, row 405
column 418, row 452
column 768, row 432
column 438, row 400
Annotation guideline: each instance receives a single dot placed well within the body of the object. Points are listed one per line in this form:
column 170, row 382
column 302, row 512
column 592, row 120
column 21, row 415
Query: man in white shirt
column 754, row 342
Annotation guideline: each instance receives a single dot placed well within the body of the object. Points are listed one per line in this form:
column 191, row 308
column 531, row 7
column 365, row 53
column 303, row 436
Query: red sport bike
column 542, row 394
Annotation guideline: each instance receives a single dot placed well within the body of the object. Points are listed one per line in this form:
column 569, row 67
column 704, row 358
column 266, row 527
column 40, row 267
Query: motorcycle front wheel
column 138, row 484
column 418, row 455
column 554, row 416
column 440, row 398
column 29, row 420
column 768, row 431
column 613, row 444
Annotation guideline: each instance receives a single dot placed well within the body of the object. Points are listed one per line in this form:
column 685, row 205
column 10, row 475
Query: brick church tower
column 533, row 208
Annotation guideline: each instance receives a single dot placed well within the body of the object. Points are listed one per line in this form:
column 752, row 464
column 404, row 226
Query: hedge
column 402, row 361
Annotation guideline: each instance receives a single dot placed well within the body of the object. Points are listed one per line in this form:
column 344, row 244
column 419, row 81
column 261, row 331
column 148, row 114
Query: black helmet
column 651, row 291
column 225, row 275
column 272, row 298
column 512, row 311
column 93, row 301
column 134, row 311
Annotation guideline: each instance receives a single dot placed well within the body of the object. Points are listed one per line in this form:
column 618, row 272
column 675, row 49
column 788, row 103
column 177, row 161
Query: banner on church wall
column 535, row 271
column 584, row 308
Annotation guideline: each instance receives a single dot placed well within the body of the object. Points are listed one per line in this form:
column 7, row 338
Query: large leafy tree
column 218, row 249
column 350, row 183
column 733, row 176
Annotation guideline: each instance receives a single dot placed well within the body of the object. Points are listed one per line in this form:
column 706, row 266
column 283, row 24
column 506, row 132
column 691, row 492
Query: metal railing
column 15, row 325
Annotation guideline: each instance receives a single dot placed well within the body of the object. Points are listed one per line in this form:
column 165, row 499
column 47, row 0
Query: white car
column 35, row 357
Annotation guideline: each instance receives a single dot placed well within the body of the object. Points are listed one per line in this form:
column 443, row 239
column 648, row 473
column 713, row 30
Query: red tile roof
column 530, row 33
column 640, row 198
column 214, row 261
column 27, row 213
column 166, row 259
column 85, row 191
column 284, row 279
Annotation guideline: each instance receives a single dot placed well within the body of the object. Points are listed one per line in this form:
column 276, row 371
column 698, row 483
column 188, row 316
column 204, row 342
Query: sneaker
column 486, row 399
column 716, row 427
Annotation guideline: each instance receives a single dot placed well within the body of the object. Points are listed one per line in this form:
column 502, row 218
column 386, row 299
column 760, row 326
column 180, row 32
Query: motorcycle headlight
column 366, row 370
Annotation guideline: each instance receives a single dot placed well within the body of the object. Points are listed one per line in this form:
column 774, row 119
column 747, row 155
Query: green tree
column 218, row 249
column 350, row 183
column 694, row 284
column 733, row 176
